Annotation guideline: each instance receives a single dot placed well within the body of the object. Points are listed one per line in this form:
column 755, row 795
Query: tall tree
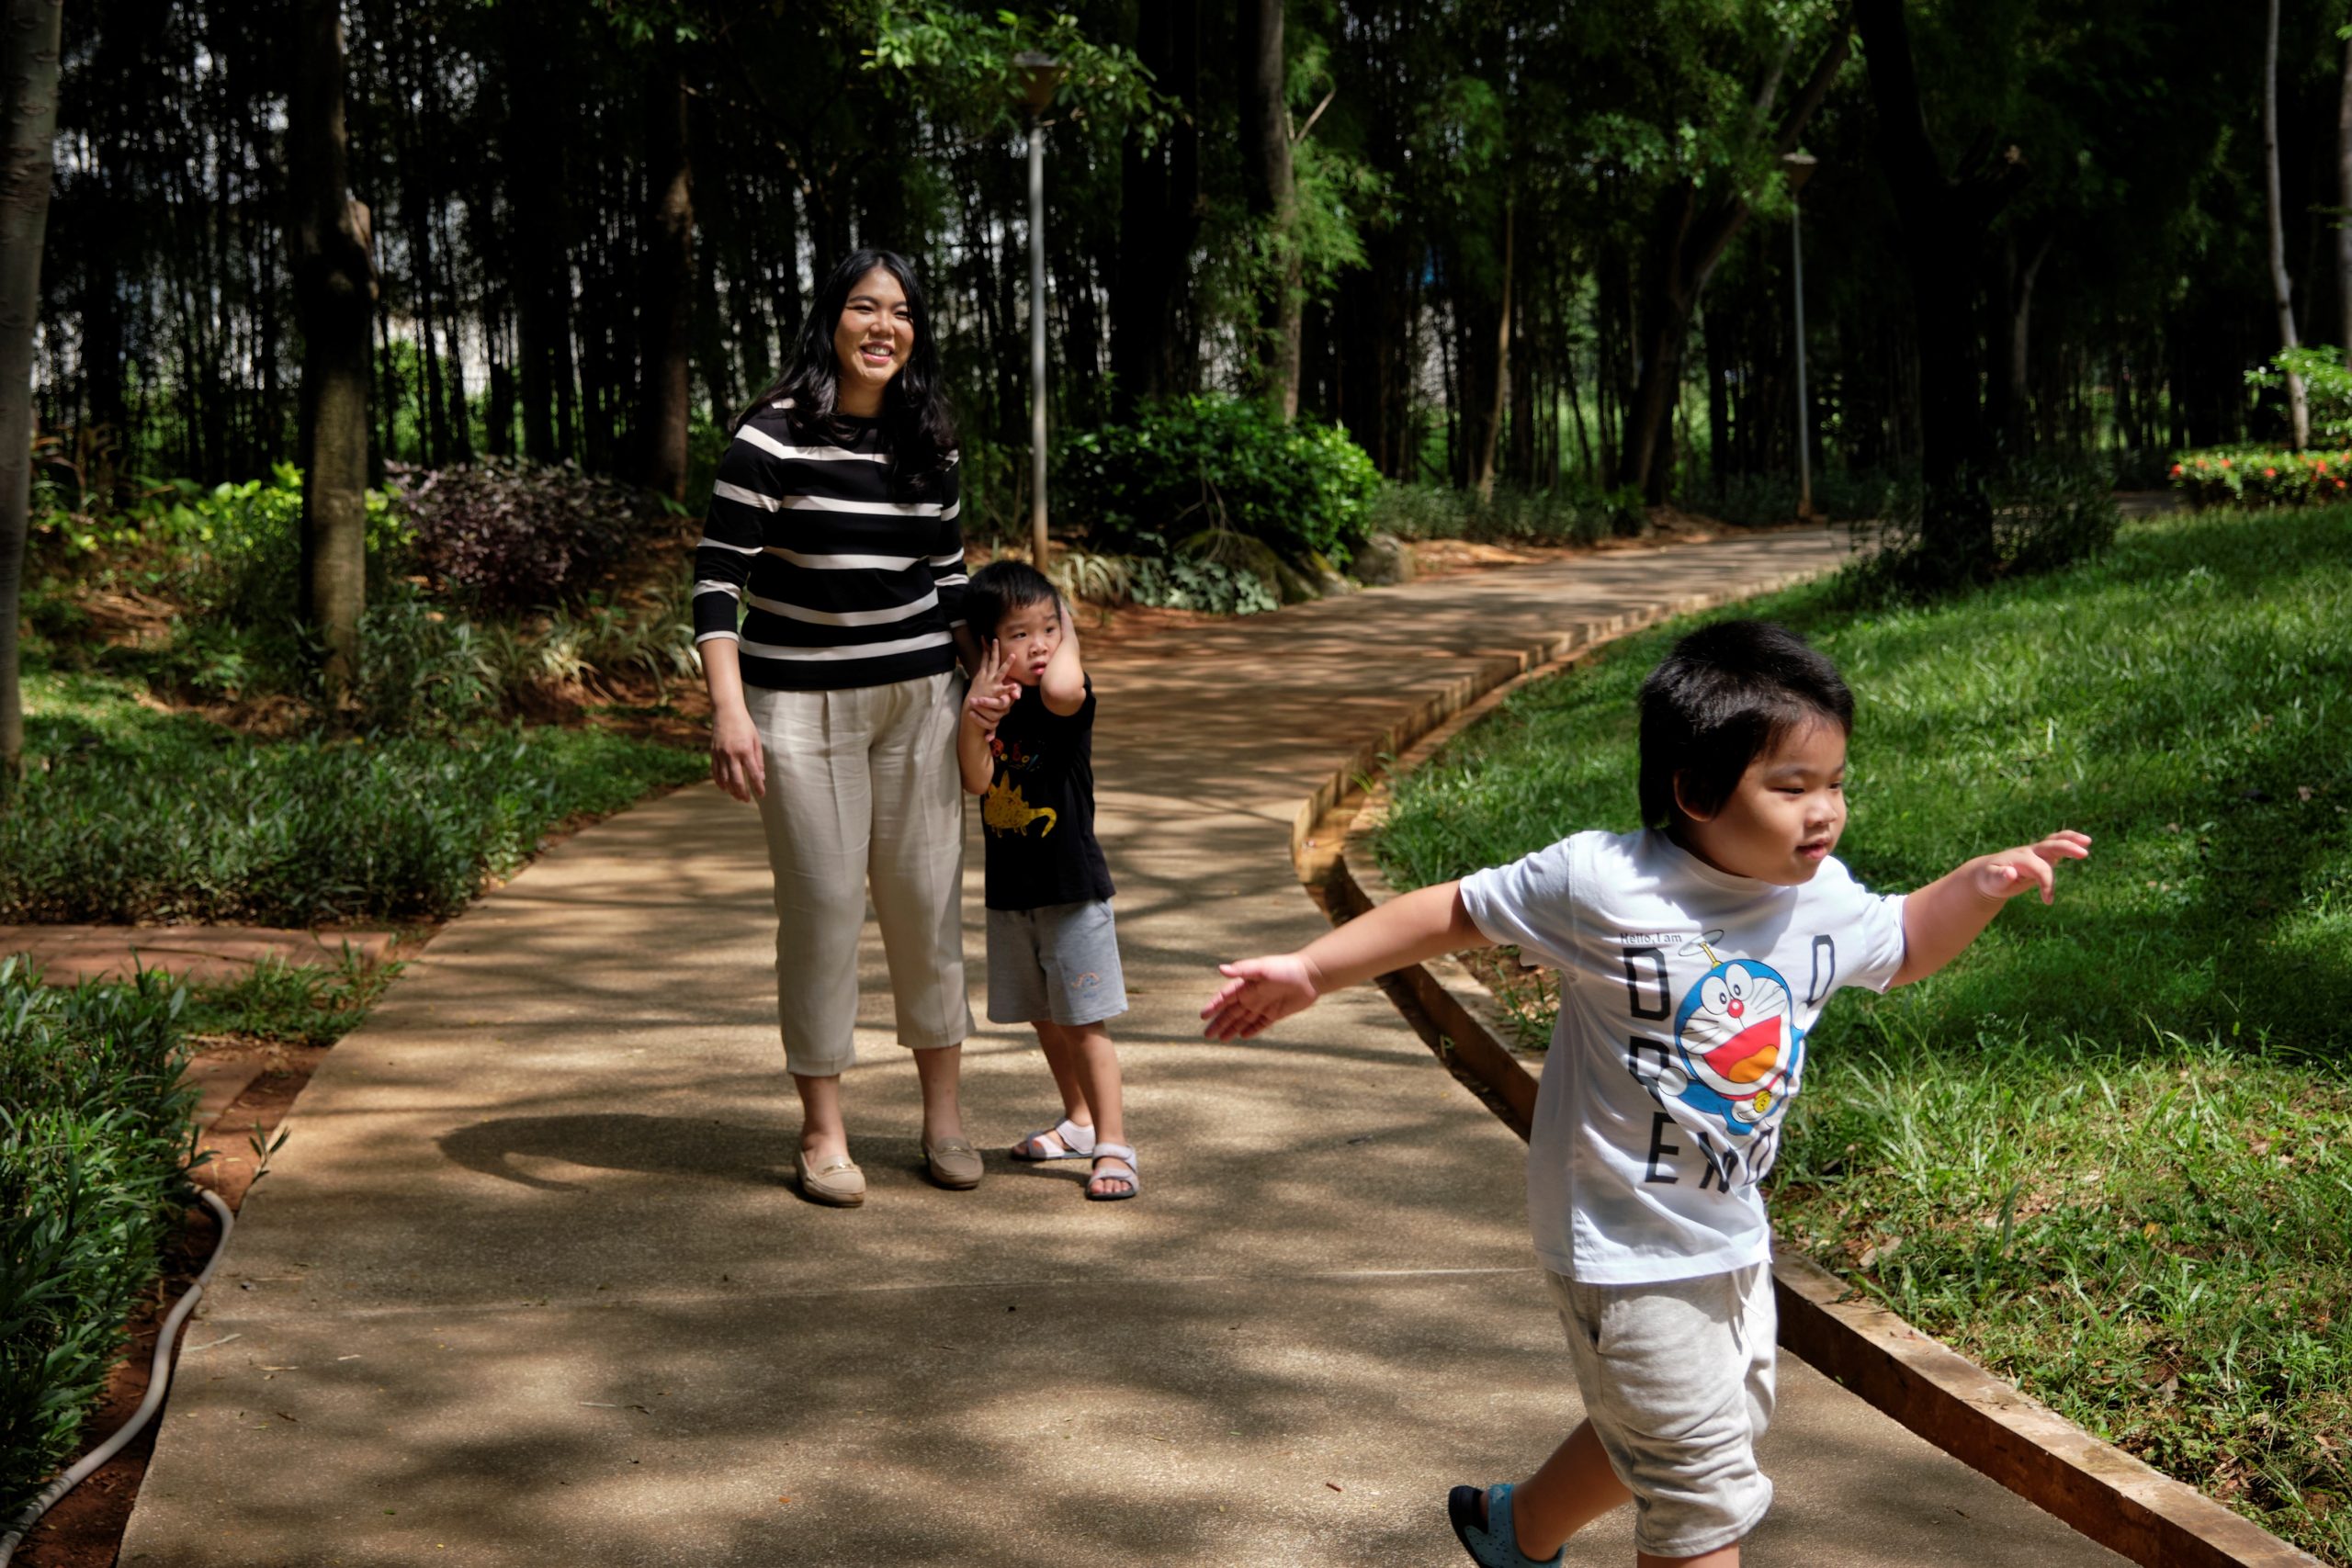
column 2344, row 199
column 665, row 302
column 1693, row 221
column 28, row 105
column 1944, row 219
column 1159, row 218
column 2282, row 287
column 1270, row 192
column 334, row 293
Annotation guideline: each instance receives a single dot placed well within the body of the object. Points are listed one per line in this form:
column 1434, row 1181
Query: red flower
column 2269, row 473
column 2225, row 462
column 2175, row 471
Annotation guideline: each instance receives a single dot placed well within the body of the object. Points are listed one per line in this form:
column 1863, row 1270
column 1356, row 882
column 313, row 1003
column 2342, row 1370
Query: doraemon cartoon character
column 1738, row 1042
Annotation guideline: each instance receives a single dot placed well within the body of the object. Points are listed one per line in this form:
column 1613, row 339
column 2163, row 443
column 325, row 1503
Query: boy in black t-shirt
column 1027, row 748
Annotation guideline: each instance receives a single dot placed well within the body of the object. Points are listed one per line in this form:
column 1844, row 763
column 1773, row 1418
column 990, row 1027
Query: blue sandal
column 1486, row 1534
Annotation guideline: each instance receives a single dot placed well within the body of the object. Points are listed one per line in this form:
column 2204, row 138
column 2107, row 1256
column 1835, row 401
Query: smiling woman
column 828, row 607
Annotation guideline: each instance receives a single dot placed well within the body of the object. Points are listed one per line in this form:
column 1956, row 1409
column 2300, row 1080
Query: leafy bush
column 2327, row 386
column 1200, row 582
column 2045, row 516
column 1218, row 462
column 191, row 821
column 506, row 533
column 94, row 1154
column 2256, row 476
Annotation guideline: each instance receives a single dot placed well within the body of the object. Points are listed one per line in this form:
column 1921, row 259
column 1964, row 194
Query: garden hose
column 159, row 1377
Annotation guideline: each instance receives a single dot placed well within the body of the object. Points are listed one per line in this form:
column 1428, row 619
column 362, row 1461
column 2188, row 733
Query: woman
column 833, row 532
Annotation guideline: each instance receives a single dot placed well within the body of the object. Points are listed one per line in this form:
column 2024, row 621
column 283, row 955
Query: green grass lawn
column 2109, row 1153
column 128, row 814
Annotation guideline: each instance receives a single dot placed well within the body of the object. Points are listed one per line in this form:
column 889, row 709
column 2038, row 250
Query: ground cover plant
column 137, row 815
column 2109, row 1153
column 94, row 1151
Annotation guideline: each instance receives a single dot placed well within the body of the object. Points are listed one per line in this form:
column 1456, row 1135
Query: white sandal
column 1069, row 1140
column 1118, row 1154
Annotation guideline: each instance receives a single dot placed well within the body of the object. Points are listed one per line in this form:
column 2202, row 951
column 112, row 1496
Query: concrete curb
column 2099, row 1490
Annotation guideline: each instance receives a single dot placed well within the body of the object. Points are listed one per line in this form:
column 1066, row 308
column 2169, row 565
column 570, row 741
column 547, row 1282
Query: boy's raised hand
column 1257, row 992
column 991, row 695
column 2011, row 872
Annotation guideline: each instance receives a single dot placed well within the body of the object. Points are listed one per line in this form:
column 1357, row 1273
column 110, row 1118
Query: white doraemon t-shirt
column 1686, row 995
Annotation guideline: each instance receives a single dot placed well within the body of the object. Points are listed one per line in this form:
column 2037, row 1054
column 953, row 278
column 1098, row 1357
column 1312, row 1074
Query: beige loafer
column 955, row 1164
column 835, row 1180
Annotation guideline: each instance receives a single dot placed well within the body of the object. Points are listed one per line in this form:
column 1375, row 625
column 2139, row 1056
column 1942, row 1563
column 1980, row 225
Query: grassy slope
column 2112, row 1146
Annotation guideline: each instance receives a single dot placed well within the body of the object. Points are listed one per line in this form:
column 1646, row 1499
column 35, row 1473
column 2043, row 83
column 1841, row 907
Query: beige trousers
column 863, row 791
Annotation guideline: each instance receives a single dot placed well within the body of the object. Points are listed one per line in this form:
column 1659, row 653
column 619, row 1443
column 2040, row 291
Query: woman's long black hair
column 917, row 424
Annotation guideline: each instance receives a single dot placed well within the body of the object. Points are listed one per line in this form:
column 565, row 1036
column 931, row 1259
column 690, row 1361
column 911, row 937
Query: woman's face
column 872, row 340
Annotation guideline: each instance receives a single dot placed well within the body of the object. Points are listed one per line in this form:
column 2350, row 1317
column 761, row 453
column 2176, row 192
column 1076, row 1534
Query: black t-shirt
column 1038, row 814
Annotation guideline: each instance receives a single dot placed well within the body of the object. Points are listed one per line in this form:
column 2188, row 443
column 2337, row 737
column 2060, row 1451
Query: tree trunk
column 1269, row 197
column 28, row 100
column 1687, row 242
column 666, row 300
column 1482, row 457
column 1158, row 220
column 335, row 287
column 2282, row 287
column 2344, row 199
column 1943, row 222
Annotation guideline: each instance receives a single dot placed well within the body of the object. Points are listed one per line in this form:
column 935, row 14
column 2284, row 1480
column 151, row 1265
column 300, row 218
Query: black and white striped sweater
column 834, row 582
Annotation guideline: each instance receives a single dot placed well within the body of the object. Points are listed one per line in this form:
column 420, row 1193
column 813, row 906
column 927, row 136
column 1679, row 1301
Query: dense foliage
column 1483, row 223
column 507, row 534
column 1220, row 464
column 2254, row 476
column 2106, row 1152
column 94, row 1147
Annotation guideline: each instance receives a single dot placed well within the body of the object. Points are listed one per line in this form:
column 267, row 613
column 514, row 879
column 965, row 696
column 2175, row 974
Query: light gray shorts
column 1676, row 1380
column 1056, row 964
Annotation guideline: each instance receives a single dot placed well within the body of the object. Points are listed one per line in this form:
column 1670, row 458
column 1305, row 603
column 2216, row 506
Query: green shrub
column 2257, row 476
column 505, row 534
column 191, row 821
column 1218, row 462
column 1762, row 499
column 2045, row 516
column 94, row 1154
column 1199, row 582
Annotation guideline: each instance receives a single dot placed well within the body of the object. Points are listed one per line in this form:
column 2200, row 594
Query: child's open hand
column 993, row 689
column 1258, row 992
column 2010, row 872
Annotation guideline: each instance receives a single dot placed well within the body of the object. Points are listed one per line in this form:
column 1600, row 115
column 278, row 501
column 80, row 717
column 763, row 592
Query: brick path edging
column 2106, row 1494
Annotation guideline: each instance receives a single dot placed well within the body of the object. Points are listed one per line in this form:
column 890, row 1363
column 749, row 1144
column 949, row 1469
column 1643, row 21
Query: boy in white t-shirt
column 1693, row 959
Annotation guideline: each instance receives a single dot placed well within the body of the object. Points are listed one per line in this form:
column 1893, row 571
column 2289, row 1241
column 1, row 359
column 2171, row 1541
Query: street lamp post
column 1800, row 167
column 1040, row 74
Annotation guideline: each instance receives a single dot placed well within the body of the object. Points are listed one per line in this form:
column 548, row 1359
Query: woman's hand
column 738, row 765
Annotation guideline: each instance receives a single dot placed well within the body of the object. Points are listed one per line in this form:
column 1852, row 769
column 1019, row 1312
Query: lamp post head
column 1040, row 75
column 1799, row 167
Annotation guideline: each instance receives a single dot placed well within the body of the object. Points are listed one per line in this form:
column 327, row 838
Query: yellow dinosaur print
column 1004, row 810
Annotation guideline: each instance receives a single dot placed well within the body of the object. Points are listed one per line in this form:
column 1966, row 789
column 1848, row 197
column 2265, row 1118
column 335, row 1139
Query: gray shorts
column 1676, row 1380
column 1057, row 964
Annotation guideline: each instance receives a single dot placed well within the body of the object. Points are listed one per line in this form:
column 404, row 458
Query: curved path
column 528, row 1285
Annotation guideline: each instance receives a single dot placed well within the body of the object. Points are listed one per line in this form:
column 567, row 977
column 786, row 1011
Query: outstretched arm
column 1422, row 924
column 1940, row 919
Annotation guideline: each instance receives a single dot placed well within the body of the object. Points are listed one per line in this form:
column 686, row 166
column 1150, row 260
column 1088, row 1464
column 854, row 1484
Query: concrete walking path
column 529, row 1284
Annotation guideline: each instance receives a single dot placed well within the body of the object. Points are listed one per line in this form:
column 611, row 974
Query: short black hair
column 1726, row 695
column 1002, row 587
